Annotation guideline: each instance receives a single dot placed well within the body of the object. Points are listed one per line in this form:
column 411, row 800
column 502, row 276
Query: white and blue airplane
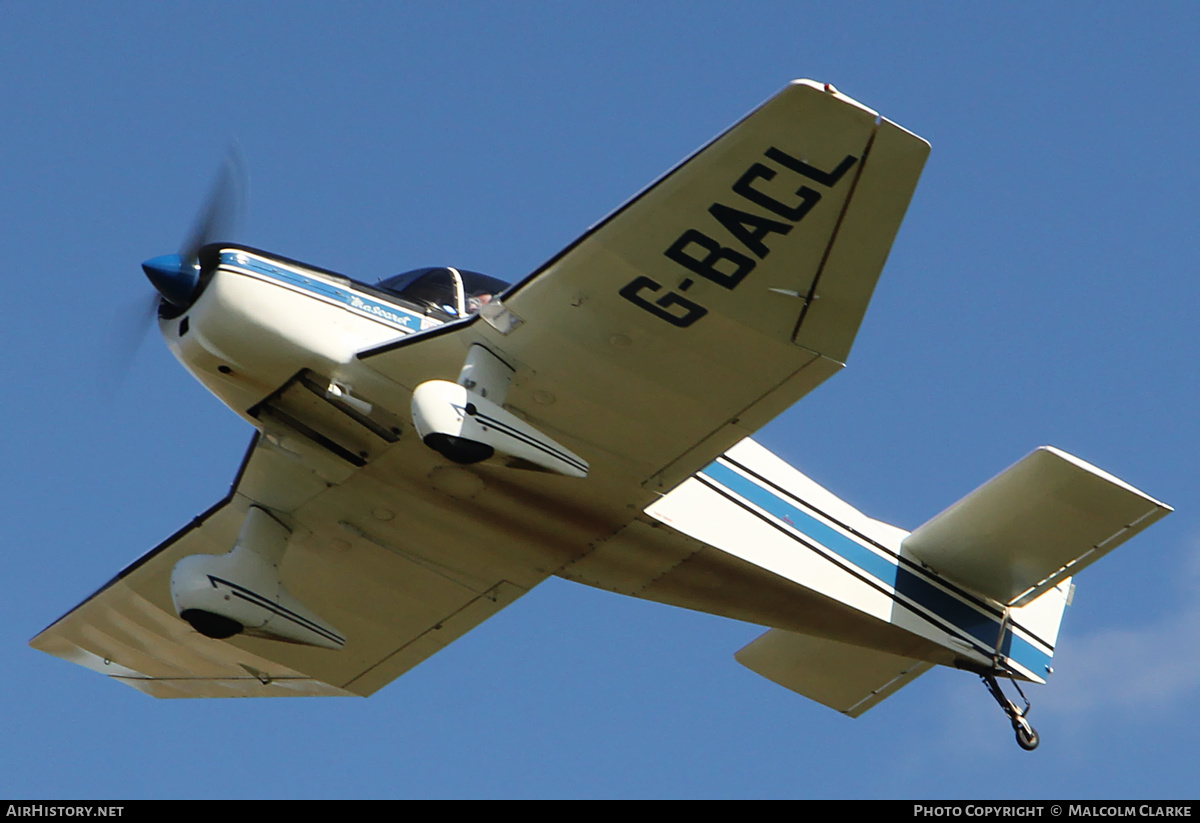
column 430, row 448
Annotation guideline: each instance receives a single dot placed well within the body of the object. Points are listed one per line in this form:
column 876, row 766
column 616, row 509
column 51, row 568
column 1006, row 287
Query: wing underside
column 397, row 604
column 706, row 305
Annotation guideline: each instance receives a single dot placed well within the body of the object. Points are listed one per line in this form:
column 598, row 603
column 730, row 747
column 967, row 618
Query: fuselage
column 259, row 320
column 754, row 539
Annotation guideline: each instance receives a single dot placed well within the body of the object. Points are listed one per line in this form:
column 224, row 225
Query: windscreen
column 434, row 289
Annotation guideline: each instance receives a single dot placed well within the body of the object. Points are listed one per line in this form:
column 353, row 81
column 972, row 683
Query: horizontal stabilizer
column 1039, row 522
column 848, row 678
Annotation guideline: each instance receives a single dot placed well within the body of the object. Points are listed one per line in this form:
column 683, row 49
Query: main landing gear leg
column 1027, row 738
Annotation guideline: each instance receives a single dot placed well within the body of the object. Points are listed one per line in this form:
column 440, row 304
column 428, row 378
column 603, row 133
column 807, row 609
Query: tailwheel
column 1027, row 736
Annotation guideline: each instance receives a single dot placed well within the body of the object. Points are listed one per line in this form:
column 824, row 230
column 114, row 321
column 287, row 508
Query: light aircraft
column 430, row 448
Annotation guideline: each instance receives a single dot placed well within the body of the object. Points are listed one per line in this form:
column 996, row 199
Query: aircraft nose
column 174, row 279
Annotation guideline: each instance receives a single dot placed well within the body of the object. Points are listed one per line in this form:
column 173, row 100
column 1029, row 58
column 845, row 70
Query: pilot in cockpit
column 445, row 292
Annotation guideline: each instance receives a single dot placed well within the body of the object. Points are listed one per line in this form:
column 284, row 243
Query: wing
column 707, row 304
column 398, row 600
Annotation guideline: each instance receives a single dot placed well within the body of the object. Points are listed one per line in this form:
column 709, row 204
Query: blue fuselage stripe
column 388, row 313
column 931, row 599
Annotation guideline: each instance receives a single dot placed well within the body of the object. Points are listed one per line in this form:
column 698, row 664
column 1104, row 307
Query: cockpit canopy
column 444, row 291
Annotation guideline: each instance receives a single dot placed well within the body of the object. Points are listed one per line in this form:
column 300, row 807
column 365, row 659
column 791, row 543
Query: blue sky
column 1042, row 290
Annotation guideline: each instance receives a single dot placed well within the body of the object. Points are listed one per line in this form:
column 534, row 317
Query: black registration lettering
column 662, row 307
column 748, row 228
column 734, row 265
column 725, row 266
column 745, row 187
column 828, row 179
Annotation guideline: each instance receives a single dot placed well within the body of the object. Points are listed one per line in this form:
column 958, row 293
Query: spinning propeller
column 176, row 276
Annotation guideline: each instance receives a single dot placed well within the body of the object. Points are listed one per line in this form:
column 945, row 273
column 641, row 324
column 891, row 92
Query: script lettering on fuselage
column 728, row 263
